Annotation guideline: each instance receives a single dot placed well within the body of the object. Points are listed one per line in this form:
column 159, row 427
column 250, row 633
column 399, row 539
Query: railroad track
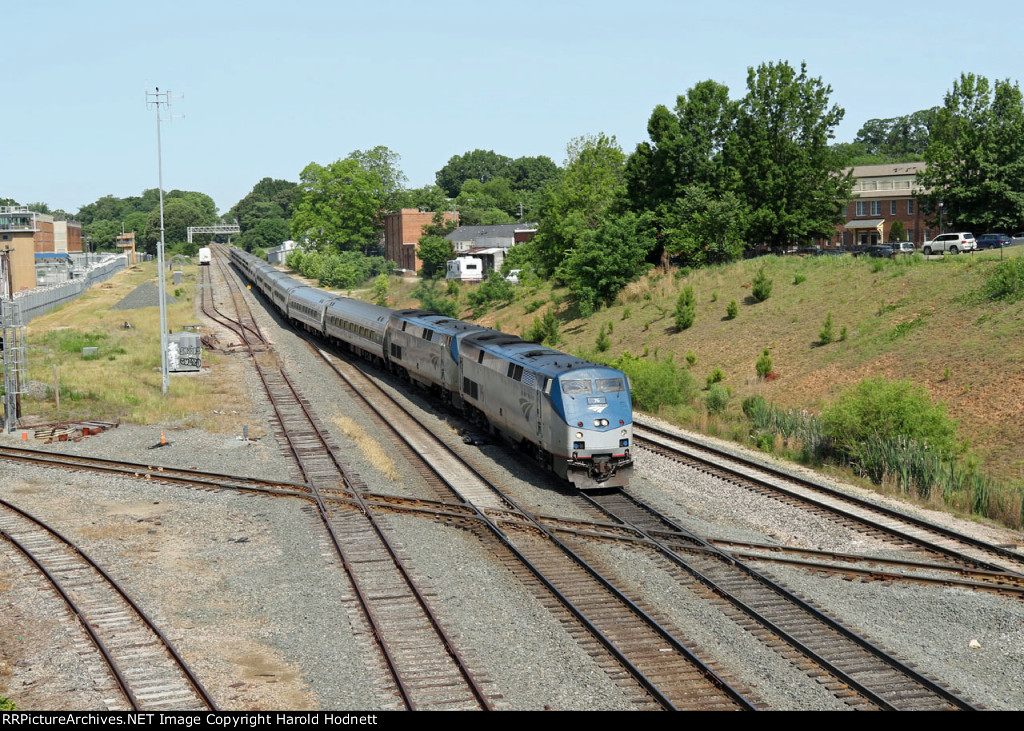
column 426, row 668
column 147, row 671
column 857, row 663
column 864, row 515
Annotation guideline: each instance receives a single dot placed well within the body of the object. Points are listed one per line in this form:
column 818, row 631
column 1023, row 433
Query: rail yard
column 301, row 569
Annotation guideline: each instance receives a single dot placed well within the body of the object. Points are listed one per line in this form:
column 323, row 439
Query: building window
column 862, row 208
column 910, row 208
column 892, row 208
column 876, row 208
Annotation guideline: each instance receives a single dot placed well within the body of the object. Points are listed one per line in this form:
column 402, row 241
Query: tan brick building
column 883, row 195
column 402, row 231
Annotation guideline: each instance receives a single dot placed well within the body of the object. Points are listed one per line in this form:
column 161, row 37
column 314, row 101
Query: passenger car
column 879, row 251
column 954, row 243
column 994, row 241
column 902, row 248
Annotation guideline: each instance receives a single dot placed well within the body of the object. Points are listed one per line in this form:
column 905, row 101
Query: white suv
column 953, row 243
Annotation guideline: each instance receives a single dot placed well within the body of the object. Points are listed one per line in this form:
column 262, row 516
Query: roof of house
column 473, row 233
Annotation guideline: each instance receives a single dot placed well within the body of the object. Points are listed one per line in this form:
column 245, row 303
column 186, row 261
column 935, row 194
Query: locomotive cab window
column 570, row 387
column 610, row 385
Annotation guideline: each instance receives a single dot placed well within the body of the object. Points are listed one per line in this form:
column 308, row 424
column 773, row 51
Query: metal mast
column 156, row 98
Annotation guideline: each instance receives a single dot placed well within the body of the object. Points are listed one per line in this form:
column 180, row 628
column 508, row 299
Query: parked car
column 994, row 241
column 880, row 251
column 513, row 276
column 902, row 248
column 954, row 243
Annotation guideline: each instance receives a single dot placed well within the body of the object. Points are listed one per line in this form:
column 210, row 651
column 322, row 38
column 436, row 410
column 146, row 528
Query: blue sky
column 271, row 86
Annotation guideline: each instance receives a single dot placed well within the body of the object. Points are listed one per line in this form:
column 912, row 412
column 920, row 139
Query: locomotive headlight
column 600, row 422
column 579, row 435
column 623, row 432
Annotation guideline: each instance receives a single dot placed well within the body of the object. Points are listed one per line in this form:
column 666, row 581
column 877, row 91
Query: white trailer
column 204, row 256
column 466, row 268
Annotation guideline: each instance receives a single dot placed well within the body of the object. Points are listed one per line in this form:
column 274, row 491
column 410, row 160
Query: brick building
column 882, row 195
column 402, row 231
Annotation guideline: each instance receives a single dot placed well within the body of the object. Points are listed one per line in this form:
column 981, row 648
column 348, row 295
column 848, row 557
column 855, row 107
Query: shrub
column 626, row 312
column 762, row 288
column 842, row 335
column 799, row 278
column 732, row 310
column 686, row 309
column 827, row 335
column 715, row 376
column 691, row 358
column 381, row 287
column 544, row 330
column 878, row 265
column 764, row 364
column 717, row 399
column 655, row 382
column 753, row 405
column 533, row 306
column 1006, row 282
column 603, row 341
column 879, row 408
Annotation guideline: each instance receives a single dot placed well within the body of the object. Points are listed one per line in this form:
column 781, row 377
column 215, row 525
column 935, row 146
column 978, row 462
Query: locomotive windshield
column 569, row 387
column 610, row 385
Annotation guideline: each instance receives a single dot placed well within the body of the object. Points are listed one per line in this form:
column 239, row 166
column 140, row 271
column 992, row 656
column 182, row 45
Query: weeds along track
column 862, row 515
column 145, row 669
column 856, row 664
column 425, row 668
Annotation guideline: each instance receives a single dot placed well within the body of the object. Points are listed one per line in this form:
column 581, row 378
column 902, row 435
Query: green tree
column 179, row 214
column 703, row 229
column 764, row 364
column 383, row 164
column 898, row 232
column 268, row 199
column 897, row 138
column 381, row 288
column 434, row 253
column 342, row 207
column 827, row 334
column 479, row 165
column 606, row 259
column 976, row 156
column 762, row 286
column 686, row 309
column 577, row 204
column 603, row 342
column 732, row 310
column 786, row 173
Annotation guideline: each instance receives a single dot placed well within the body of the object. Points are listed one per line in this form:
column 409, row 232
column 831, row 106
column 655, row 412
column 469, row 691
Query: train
column 204, row 256
column 573, row 416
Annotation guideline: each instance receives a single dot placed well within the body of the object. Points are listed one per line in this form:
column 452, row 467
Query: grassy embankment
column 911, row 319
column 123, row 381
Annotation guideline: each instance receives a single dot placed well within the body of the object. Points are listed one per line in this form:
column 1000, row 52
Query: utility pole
column 155, row 99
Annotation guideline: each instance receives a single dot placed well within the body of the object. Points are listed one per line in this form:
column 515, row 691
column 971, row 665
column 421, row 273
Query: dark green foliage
column 533, row 306
column 732, row 310
column 715, row 376
column 479, row 165
column 827, row 334
column 606, row 259
column 346, row 270
column 1006, row 282
column 762, row 287
column 976, row 156
column 430, row 298
column 753, row 404
column 897, row 139
column 898, row 232
column 381, row 286
column 787, row 175
column 889, row 409
column 544, row 330
column 686, row 309
column 764, row 364
column 434, row 253
column 656, row 383
column 717, row 399
column 799, row 278
column 603, row 341
column 493, row 289
column 691, row 358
